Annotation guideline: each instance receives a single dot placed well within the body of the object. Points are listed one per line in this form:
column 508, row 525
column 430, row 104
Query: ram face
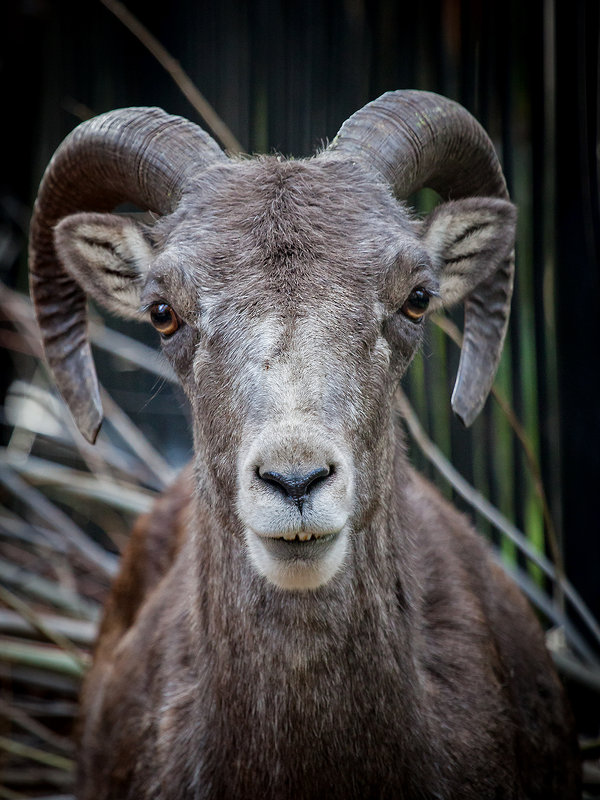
column 289, row 296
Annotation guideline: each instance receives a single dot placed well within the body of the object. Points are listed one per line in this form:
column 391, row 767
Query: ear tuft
column 109, row 257
column 467, row 240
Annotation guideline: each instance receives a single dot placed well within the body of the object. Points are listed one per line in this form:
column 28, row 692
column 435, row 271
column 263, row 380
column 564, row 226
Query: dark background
column 284, row 76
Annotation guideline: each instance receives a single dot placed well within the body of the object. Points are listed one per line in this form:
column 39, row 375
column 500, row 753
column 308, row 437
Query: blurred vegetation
column 282, row 76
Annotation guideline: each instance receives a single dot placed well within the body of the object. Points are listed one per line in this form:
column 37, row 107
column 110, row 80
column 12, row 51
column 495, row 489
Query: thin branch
column 41, row 537
column 8, row 794
column 175, row 70
column 119, row 494
column 41, row 656
column 77, row 630
column 487, row 510
column 453, row 333
column 33, row 618
column 577, row 672
column 35, row 754
column 18, row 308
column 550, row 609
column 46, row 591
column 136, row 440
column 33, row 726
column 49, row 513
column 104, row 458
column 132, row 351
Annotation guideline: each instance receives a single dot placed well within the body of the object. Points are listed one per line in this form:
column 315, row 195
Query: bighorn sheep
column 302, row 615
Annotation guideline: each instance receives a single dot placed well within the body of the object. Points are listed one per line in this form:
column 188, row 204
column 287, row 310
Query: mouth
column 300, row 536
column 299, row 546
column 298, row 561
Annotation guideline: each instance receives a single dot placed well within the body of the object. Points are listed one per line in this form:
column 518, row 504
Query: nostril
column 295, row 486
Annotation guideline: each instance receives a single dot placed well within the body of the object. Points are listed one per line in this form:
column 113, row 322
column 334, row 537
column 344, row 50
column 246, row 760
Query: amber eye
column 164, row 319
column 416, row 304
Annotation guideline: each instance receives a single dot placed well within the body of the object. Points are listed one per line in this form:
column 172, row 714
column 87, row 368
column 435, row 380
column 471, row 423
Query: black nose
column 296, row 487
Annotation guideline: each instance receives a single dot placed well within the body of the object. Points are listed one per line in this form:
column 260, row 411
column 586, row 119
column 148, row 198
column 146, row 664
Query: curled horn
column 138, row 155
column 419, row 139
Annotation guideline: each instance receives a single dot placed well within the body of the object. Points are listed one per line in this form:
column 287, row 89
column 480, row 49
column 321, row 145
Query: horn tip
column 88, row 417
column 90, row 431
column 87, row 414
column 466, row 410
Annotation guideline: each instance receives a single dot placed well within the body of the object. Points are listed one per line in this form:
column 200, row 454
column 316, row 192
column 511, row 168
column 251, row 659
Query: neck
column 311, row 670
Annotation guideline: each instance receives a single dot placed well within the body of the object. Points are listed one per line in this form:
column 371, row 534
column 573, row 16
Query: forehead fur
column 298, row 227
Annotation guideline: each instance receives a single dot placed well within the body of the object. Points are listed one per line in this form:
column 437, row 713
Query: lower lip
column 295, row 550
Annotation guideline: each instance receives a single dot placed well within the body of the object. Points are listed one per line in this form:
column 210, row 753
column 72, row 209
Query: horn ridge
column 117, row 157
column 415, row 139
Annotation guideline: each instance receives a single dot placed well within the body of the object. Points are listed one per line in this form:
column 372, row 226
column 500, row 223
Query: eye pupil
column 419, row 298
column 164, row 319
column 416, row 304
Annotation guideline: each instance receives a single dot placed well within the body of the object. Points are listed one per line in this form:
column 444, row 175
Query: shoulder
column 152, row 548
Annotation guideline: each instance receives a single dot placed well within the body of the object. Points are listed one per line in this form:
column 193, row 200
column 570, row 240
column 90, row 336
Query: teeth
column 297, row 537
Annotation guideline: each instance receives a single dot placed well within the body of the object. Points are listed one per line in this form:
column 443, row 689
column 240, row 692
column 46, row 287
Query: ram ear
column 467, row 240
column 109, row 257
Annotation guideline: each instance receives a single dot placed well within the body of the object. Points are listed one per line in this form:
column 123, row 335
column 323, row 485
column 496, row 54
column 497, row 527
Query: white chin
column 296, row 565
